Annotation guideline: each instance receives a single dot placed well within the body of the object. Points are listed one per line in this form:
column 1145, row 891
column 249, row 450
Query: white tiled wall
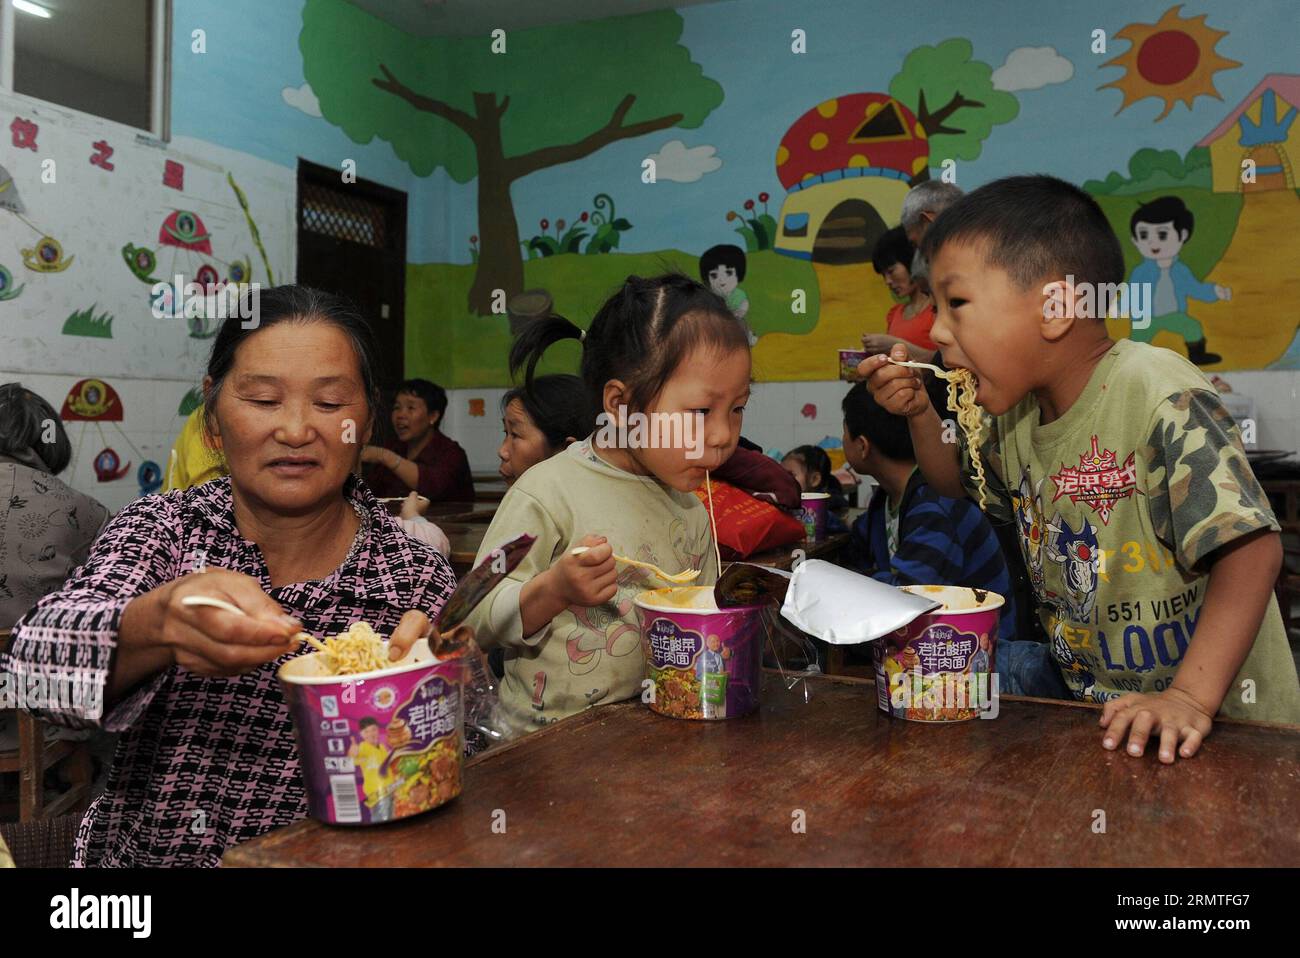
column 1277, row 406
column 774, row 418
column 781, row 416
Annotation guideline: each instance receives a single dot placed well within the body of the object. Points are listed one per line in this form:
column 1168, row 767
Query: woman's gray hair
column 29, row 427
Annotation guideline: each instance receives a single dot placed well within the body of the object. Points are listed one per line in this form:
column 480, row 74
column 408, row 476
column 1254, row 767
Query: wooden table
column 783, row 558
column 620, row 785
column 465, row 539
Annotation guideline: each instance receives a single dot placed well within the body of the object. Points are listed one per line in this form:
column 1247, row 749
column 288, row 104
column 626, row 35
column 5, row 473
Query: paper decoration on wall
column 174, row 175
column 9, row 193
column 141, row 262
column 47, row 255
column 84, row 322
column 149, row 476
column 100, row 157
column 24, row 133
column 94, row 402
column 184, row 229
column 476, row 407
column 8, row 290
column 188, row 237
column 190, row 401
column 809, row 410
column 252, row 227
column 91, row 400
column 106, row 466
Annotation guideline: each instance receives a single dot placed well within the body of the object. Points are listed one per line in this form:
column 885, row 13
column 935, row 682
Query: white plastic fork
column 207, row 600
column 941, row 373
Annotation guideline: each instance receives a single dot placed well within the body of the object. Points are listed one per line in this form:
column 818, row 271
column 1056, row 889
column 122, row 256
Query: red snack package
column 747, row 525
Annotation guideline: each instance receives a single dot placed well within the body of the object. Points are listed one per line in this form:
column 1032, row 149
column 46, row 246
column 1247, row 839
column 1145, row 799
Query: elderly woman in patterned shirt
column 207, row 758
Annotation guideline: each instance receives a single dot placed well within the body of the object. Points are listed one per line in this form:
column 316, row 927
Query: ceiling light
column 26, row 6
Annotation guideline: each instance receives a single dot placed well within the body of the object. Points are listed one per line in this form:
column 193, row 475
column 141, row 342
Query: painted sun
column 1172, row 59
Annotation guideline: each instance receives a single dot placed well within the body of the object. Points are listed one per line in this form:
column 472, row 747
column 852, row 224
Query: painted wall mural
column 532, row 133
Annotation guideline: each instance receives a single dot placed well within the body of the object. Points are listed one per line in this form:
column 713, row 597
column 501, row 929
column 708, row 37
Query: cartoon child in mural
column 1160, row 229
column 723, row 268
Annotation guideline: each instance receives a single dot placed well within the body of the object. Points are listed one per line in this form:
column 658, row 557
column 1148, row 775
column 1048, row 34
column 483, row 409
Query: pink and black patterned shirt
column 204, row 763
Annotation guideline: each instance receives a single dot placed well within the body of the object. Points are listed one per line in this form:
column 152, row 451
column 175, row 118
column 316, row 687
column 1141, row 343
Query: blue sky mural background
column 232, row 95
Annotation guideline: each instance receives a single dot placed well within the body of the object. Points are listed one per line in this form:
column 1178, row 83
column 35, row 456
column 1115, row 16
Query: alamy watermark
column 976, row 690
column 75, row 696
column 652, row 430
column 1099, row 301
column 193, row 300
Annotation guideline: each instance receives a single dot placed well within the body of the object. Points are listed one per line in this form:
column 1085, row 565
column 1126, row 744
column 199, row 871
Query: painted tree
column 953, row 98
column 555, row 95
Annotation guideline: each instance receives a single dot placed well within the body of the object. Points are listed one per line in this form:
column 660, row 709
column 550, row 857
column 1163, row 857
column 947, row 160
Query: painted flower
column 473, row 240
column 731, row 215
column 546, row 224
column 749, row 204
column 559, row 225
column 583, row 217
column 763, row 197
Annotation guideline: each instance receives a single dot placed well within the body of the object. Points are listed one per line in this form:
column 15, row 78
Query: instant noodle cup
column 812, row 512
column 377, row 746
column 849, row 361
column 704, row 662
column 939, row 667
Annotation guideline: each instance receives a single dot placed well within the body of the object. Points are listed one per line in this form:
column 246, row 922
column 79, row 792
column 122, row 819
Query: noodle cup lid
column 310, row 669
column 842, row 607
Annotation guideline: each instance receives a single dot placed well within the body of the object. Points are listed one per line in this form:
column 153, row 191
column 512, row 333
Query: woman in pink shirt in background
column 207, row 758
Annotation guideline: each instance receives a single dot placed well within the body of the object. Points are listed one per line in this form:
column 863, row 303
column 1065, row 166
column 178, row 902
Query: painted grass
column 448, row 344
column 84, row 322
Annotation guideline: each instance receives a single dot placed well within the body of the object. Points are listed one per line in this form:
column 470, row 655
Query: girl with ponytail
column 663, row 359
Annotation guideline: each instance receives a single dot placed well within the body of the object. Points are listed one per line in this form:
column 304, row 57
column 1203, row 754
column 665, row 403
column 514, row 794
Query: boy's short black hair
column 1037, row 228
column 863, row 416
column 366, row 722
column 1166, row 209
column 723, row 255
column 892, row 247
column 434, row 396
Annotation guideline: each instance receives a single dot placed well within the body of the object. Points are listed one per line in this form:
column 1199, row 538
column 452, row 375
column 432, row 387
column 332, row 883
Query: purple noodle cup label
column 381, row 748
column 703, row 666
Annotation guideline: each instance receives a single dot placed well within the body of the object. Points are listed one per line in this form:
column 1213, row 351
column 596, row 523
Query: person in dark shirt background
column 421, row 457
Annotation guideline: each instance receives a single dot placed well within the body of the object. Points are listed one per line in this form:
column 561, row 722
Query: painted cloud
column 302, row 98
column 1029, row 68
column 676, row 162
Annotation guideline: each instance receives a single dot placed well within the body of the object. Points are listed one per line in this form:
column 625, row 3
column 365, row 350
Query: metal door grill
column 342, row 215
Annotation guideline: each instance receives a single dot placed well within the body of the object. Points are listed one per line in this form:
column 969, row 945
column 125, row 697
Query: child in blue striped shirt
column 911, row 535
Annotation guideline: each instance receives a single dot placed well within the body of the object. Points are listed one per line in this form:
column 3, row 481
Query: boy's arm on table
column 1221, row 519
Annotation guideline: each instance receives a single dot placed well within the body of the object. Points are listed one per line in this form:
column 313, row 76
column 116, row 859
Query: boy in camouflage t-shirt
column 1142, row 525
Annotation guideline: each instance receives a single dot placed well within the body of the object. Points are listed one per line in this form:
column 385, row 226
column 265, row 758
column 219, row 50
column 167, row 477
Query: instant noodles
column 939, row 667
column 703, row 662
column 380, row 745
